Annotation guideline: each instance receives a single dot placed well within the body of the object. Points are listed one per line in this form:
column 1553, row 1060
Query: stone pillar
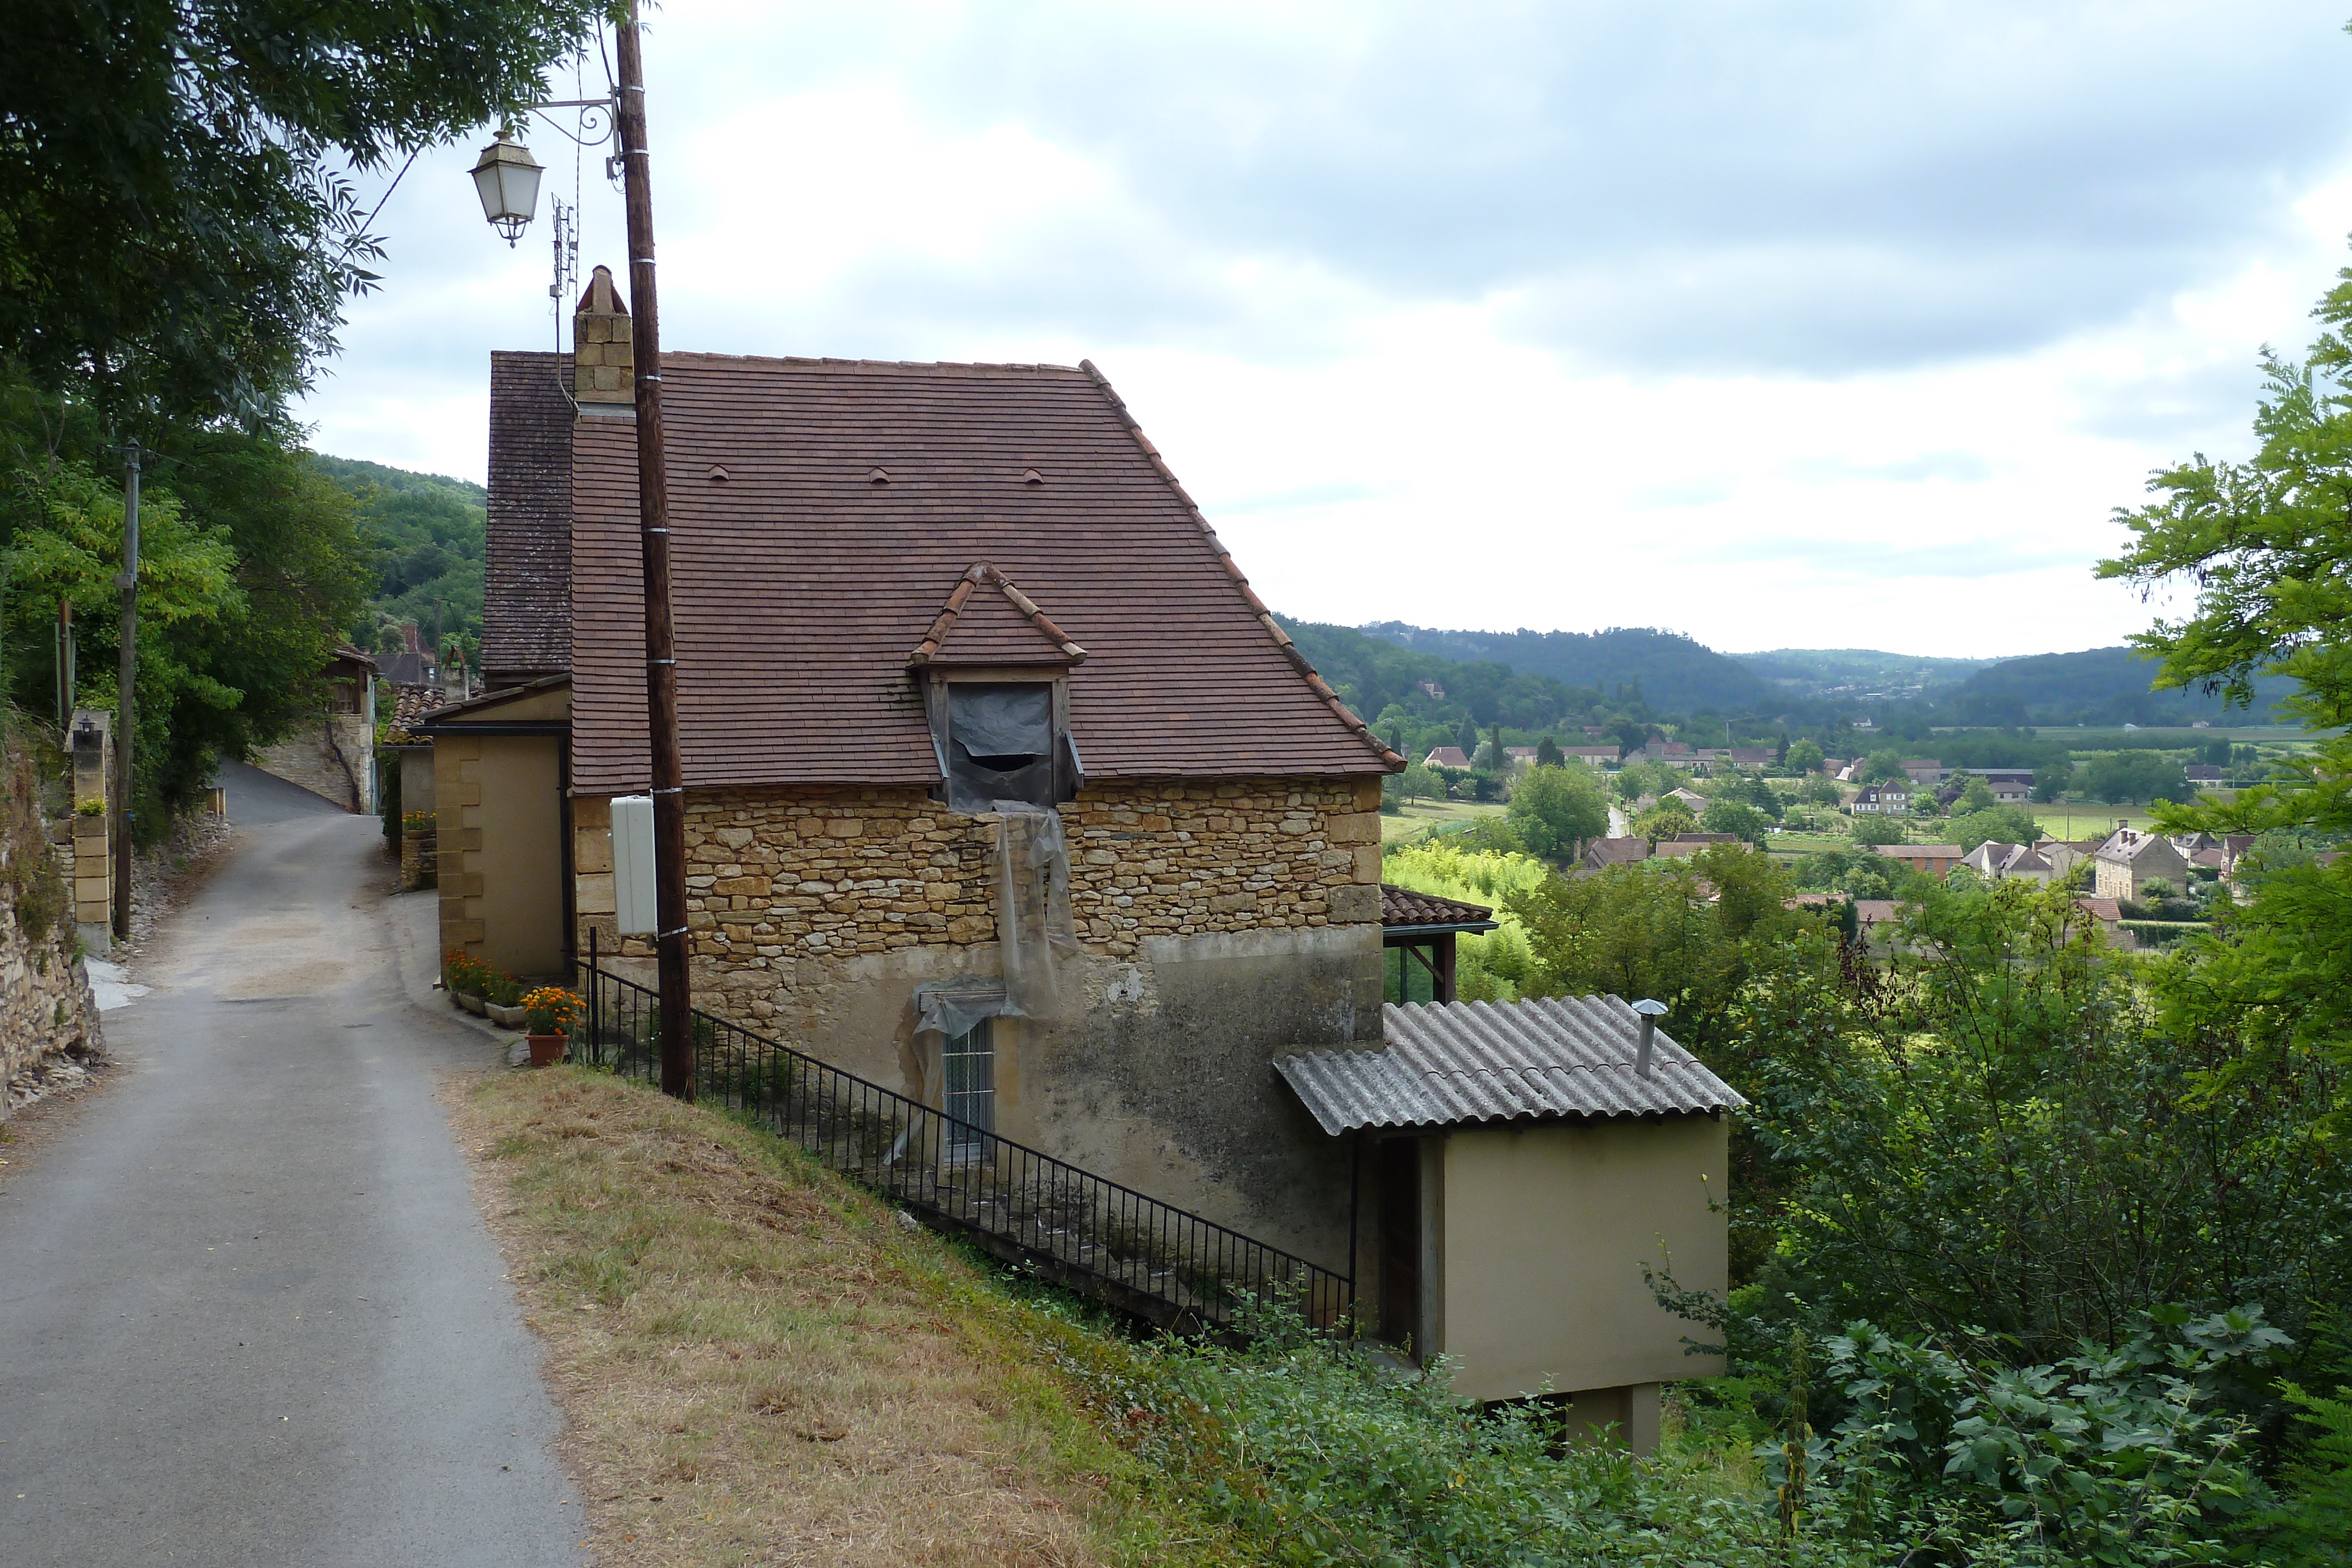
column 90, row 743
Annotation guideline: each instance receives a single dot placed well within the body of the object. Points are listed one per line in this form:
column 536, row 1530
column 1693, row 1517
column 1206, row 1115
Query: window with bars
column 968, row 1079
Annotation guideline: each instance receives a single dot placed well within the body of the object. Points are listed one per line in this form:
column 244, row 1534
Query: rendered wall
column 1545, row 1231
column 500, row 848
column 1223, row 925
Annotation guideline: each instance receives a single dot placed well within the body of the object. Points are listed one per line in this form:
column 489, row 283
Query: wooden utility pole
column 126, row 719
column 653, row 535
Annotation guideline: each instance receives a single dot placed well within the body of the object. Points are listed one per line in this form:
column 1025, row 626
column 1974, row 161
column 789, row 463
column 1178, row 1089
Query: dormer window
column 1000, row 744
column 994, row 671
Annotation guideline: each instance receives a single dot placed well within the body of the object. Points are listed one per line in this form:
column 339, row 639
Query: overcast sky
column 1816, row 325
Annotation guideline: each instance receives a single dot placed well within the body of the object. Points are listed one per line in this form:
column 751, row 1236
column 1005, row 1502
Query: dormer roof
column 988, row 620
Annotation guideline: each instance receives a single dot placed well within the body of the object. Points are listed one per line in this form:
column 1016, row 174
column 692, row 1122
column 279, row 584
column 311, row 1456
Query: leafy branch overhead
column 180, row 218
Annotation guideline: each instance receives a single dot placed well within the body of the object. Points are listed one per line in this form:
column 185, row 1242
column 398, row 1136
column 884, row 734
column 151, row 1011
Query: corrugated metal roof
column 1447, row 1064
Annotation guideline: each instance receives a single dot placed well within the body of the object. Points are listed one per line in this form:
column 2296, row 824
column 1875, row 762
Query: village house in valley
column 1004, row 791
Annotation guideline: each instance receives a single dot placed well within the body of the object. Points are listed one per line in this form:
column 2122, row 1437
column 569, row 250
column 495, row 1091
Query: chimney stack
column 604, row 365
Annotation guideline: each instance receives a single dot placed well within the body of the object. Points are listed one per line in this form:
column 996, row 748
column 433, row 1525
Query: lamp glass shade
column 507, row 179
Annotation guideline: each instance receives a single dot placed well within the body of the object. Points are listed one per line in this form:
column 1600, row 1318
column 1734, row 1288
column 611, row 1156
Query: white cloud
column 1834, row 326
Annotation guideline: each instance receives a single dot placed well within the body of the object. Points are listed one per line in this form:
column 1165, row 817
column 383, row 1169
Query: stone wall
column 48, row 1021
column 1222, row 924
column 330, row 757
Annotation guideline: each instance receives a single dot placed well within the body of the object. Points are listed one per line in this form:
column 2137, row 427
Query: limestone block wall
column 47, row 1012
column 328, row 756
column 1224, row 923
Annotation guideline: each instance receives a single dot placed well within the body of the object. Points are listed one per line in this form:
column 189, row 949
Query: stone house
column 332, row 753
column 903, row 594
column 952, row 637
column 2130, row 860
column 1882, row 800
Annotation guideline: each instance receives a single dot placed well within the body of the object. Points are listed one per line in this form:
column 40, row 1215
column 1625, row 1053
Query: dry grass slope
column 762, row 1365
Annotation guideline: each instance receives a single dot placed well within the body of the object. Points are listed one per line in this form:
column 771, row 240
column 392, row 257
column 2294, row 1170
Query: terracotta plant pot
column 546, row 1049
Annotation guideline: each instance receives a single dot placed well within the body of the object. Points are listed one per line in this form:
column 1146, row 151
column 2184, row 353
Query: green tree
column 1686, row 932
column 1736, row 818
column 1548, row 753
column 1976, row 795
column 1871, row 830
column 1998, row 824
column 1418, row 783
column 176, row 235
column 1554, row 810
column 1883, row 767
column 1667, row 819
column 2134, row 776
column 1804, row 757
column 2053, row 779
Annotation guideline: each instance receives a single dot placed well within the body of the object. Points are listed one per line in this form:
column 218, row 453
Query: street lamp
column 516, row 182
column 507, row 179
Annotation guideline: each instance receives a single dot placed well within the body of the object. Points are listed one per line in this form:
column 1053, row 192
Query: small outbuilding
column 1523, row 1162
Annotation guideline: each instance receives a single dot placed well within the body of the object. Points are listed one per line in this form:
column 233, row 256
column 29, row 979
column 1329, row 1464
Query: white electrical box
column 632, row 863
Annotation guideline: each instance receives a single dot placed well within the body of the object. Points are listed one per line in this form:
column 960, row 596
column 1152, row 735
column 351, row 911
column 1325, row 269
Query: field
column 2089, row 819
column 1447, row 816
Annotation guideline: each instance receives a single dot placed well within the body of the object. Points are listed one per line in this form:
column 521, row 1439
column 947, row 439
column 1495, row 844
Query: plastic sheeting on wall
column 1033, row 910
column 1000, row 744
column 953, row 1008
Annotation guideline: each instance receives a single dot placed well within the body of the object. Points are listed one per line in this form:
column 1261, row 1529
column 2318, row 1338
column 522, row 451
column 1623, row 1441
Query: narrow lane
column 249, row 1315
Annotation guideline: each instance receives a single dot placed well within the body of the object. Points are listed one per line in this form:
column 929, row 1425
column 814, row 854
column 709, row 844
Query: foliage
column 248, row 563
column 1975, row 795
column 2122, row 1455
column 1879, row 830
column 1489, row 966
column 1997, row 824
column 2268, row 544
column 428, row 533
column 1994, row 1138
column 1667, row 819
column 1883, row 767
column 1741, row 821
column 174, row 239
column 1555, row 810
column 1548, row 754
column 1686, row 932
column 2314, row 1524
column 1804, row 757
column 1662, row 669
column 2134, row 776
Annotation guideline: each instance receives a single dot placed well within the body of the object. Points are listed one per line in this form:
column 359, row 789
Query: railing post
column 596, row 1004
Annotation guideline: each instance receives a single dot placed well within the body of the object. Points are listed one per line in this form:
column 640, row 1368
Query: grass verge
column 761, row 1364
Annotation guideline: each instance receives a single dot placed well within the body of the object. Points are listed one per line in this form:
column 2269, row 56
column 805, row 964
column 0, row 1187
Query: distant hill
column 1372, row 675
column 2095, row 686
column 1674, row 673
column 1849, row 675
column 430, row 530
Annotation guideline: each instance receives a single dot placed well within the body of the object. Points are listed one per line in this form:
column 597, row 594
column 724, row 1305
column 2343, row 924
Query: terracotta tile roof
column 1403, row 906
column 1616, row 852
column 410, row 704
column 1000, row 627
column 2099, row 908
column 526, row 571
column 801, row 583
column 1447, row 757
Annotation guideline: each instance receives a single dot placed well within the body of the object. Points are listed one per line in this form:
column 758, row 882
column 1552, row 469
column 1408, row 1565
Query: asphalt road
column 257, row 799
column 249, row 1315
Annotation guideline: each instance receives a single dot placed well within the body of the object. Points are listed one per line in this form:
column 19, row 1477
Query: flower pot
column 546, row 1049
column 506, row 1018
column 471, row 1003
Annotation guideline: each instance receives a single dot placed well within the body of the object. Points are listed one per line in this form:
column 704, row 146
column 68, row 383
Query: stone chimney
column 602, row 361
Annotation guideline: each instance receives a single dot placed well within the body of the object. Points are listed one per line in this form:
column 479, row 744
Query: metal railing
column 1135, row 1252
